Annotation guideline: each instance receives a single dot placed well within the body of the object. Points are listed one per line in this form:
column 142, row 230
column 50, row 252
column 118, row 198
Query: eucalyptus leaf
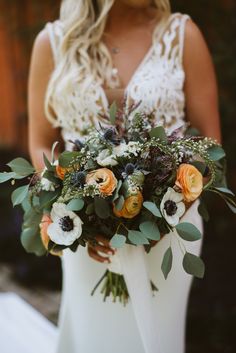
column 66, row 158
column 150, row 230
column 5, row 176
column 193, row 265
column 151, row 206
column 188, row 231
column 112, row 113
column 21, row 166
column 200, row 166
column 31, row 241
column 90, row 209
column 102, row 208
column 137, row 238
column 118, row 240
column 167, row 262
column 119, row 203
column 216, row 153
column 46, row 198
column 48, row 164
column 116, row 193
column 75, row 205
column 158, row 132
column 19, row 195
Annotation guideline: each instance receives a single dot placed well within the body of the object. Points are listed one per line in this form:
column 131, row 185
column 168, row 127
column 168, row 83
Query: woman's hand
column 103, row 246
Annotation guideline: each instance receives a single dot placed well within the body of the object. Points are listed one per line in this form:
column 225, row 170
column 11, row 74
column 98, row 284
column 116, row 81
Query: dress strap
column 55, row 33
column 182, row 25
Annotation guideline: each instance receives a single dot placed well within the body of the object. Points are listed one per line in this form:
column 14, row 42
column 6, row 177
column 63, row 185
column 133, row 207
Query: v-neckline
column 144, row 59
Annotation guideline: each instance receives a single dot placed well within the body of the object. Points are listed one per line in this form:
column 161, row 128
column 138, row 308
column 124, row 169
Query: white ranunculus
column 47, row 185
column 172, row 207
column 105, row 158
column 66, row 226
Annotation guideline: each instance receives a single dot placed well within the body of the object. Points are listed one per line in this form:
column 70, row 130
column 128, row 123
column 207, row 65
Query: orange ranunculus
column 104, row 178
column 190, row 181
column 61, row 171
column 131, row 207
column 45, row 221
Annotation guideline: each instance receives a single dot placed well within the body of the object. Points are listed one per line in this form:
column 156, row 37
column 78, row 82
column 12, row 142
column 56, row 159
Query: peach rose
column 45, row 221
column 190, row 181
column 131, row 207
column 104, row 178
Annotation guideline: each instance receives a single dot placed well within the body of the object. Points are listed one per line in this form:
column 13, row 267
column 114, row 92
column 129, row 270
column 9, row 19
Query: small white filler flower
column 66, row 226
column 172, row 207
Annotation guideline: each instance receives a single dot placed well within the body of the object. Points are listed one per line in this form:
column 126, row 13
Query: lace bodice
column 157, row 83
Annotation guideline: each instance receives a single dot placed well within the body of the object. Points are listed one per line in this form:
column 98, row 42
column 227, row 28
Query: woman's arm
column 200, row 84
column 41, row 133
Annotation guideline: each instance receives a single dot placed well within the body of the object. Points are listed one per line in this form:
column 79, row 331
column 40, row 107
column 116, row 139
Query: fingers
column 104, row 241
column 94, row 255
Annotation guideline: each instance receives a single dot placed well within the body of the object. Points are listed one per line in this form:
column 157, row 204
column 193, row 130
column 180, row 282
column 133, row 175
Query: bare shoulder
column 194, row 40
column 42, row 52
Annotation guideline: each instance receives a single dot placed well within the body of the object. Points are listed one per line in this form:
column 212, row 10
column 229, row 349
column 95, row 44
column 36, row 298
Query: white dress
column 86, row 323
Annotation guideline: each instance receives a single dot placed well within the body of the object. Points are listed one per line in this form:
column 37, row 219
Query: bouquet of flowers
column 129, row 181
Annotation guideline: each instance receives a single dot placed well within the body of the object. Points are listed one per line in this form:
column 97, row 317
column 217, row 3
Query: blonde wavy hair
column 82, row 56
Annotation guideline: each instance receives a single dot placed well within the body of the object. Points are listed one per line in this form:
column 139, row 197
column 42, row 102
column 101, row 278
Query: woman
column 100, row 51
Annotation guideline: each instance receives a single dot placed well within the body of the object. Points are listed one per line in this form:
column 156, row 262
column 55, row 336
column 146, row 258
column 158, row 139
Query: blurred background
column 212, row 306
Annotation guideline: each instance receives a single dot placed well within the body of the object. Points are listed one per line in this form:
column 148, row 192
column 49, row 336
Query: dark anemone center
column 170, row 207
column 66, row 224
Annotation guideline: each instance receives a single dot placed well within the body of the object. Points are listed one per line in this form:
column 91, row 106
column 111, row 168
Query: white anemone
column 66, row 226
column 172, row 207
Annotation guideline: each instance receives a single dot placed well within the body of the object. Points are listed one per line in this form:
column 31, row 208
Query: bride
column 101, row 51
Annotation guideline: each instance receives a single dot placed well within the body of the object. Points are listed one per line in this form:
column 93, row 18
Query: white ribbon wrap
column 130, row 261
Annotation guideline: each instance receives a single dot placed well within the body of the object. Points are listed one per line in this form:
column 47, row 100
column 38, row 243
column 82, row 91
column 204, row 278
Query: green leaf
column 102, row 208
column 202, row 210
column 21, row 166
column 49, row 175
column 31, row 241
column 151, row 206
column 200, row 166
column 66, row 158
column 112, row 113
column 167, row 262
column 150, row 230
column 46, row 198
column 188, row 231
column 7, row 176
column 216, row 153
column 90, row 209
column 119, row 203
column 19, row 195
column 193, row 265
column 49, row 166
column 137, row 237
column 116, row 193
column 224, row 190
column 75, row 205
column 118, row 240
column 158, row 132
